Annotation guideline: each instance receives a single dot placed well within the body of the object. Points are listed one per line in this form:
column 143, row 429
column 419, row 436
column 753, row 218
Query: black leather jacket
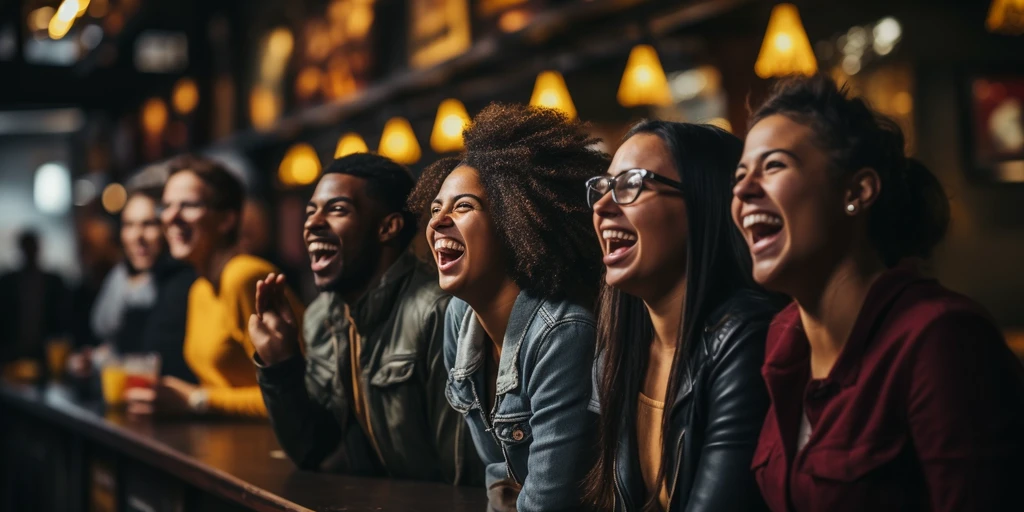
column 714, row 420
column 413, row 432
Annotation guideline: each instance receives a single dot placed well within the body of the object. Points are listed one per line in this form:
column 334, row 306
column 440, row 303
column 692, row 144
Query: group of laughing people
column 699, row 323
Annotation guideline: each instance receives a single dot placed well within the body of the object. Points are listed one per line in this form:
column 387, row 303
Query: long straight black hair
column 717, row 265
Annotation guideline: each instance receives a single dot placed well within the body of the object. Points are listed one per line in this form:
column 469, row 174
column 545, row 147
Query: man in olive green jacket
column 365, row 395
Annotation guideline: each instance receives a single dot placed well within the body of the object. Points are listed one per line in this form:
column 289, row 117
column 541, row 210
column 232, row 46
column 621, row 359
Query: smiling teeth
column 322, row 247
column 761, row 218
column 448, row 243
column 614, row 234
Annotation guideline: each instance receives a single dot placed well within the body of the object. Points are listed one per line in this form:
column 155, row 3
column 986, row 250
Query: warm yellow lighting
column 786, row 49
column 185, row 96
column 154, row 116
column 264, row 107
column 398, row 142
column 514, row 20
column 359, row 21
column 62, row 20
column 280, row 42
column 550, row 92
column 1006, row 17
column 308, row 82
column 451, row 119
column 83, row 5
column 277, row 49
column 113, row 198
column 349, row 144
column 644, row 81
column 339, row 81
column 39, row 19
column 300, row 165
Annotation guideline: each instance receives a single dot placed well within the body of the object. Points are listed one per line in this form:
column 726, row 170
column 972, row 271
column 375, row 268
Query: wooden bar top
column 237, row 460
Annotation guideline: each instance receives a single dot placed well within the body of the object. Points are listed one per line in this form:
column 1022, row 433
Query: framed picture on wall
column 996, row 127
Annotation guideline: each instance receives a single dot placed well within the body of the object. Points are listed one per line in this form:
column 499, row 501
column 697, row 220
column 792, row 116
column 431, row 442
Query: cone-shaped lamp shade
column 398, row 142
column 550, row 91
column 786, row 49
column 300, row 166
column 451, row 119
column 1006, row 17
column 644, row 81
column 349, row 144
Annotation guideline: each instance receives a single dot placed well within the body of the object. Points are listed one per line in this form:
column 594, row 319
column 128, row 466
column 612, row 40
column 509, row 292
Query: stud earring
column 851, row 207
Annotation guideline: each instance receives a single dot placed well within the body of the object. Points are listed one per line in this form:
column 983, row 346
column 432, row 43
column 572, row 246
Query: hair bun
column 922, row 213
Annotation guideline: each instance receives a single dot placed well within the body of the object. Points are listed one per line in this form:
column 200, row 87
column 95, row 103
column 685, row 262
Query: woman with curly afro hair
column 509, row 230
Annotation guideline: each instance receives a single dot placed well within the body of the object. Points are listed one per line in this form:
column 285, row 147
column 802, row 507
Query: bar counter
column 62, row 453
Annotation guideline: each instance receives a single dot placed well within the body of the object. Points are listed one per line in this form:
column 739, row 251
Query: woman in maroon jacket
column 888, row 391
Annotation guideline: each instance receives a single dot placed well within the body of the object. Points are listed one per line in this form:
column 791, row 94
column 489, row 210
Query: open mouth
column 617, row 244
column 764, row 228
column 321, row 255
column 449, row 252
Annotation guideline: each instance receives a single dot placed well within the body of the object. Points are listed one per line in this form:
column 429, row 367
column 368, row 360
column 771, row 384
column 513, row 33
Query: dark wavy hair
column 533, row 164
column 911, row 215
column 717, row 266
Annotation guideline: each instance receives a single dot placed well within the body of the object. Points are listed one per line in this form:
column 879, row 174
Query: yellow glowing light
column 280, row 42
column 644, row 82
column 300, row 165
column 154, row 116
column 451, row 120
column 308, row 82
column 39, row 19
column 185, row 96
column 514, row 20
column 398, row 142
column 1006, row 17
column 349, row 144
column 902, row 103
column 83, row 5
column 113, row 198
column 550, row 92
column 62, row 20
column 786, row 49
column 339, row 81
column 264, row 107
column 318, row 41
column 359, row 21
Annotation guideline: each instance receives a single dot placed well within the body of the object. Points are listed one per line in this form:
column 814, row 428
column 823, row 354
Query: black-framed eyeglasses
column 625, row 187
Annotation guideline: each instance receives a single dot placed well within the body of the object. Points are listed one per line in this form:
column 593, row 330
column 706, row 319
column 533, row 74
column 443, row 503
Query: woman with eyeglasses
column 201, row 212
column 889, row 392
column 680, row 329
column 509, row 233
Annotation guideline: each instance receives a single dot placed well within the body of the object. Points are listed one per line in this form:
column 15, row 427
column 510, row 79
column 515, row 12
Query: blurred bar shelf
column 60, row 453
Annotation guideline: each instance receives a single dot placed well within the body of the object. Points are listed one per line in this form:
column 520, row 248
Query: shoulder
column 244, row 270
column 556, row 313
column 423, row 297
column 560, row 322
column 930, row 315
column 744, row 318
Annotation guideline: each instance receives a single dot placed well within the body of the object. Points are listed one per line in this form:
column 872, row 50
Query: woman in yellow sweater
column 201, row 212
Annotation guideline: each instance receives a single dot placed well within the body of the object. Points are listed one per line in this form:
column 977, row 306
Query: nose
column 605, row 207
column 749, row 187
column 315, row 220
column 441, row 220
column 170, row 214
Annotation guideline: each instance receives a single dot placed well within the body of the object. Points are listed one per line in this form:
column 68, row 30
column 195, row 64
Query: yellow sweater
column 217, row 344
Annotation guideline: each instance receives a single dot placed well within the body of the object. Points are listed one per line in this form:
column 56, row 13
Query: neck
column 829, row 309
column 214, row 265
column 388, row 257
column 494, row 311
column 666, row 310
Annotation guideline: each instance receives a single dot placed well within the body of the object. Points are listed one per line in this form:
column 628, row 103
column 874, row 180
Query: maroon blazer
column 923, row 409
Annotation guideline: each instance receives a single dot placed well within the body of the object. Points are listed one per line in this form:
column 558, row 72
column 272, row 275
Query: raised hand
column 273, row 328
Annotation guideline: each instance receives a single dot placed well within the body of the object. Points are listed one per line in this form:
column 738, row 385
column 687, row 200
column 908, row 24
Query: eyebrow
column 329, row 202
column 768, row 153
column 437, row 200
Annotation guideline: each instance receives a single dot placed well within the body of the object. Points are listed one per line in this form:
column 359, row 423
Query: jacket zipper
column 354, row 338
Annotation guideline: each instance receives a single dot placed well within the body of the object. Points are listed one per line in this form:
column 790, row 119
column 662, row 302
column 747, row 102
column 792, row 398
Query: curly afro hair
column 533, row 164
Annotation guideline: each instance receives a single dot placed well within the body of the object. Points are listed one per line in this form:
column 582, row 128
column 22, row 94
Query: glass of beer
column 141, row 370
column 57, row 352
column 112, row 380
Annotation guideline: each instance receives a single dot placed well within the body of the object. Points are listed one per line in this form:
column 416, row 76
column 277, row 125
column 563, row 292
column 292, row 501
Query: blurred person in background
column 142, row 304
column 367, row 395
column 201, row 213
column 33, row 305
column 98, row 253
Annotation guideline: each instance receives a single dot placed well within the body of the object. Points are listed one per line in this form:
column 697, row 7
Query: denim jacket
column 538, row 440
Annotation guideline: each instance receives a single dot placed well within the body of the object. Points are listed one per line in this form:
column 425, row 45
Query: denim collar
column 470, row 345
